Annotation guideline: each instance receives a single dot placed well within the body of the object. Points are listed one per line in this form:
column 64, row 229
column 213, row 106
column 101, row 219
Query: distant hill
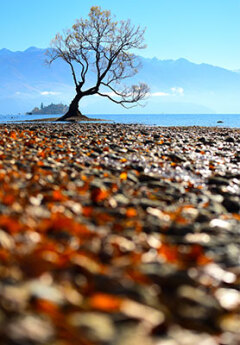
column 177, row 86
column 55, row 109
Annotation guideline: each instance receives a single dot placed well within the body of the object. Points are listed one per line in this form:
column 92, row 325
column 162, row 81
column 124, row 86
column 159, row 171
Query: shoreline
column 72, row 119
column 53, row 122
column 227, row 121
column 130, row 228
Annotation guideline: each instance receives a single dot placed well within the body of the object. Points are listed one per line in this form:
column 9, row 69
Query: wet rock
column 29, row 329
column 197, row 308
column 203, row 216
column 176, row 158
column 166, row 276
column 230, row 323
column 6, row 241
column 202, row 140
column 230, row 140
column 145, row 203
column 156, row 136
column 219, row 181
column 137, row 167
column 148, row 177
column 43, row 290
column 95, row 326
column 231, row 204
column 121, row 199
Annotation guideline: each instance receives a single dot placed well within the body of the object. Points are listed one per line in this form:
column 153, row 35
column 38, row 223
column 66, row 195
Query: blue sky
column 199, row 30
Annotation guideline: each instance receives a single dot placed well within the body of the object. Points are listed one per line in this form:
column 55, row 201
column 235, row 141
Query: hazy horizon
column 206, row 31
column 141, row 55
column 177, row 86
column 200, row 38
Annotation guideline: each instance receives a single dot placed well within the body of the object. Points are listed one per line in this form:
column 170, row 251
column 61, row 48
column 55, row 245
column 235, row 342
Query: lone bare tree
column 104, row 46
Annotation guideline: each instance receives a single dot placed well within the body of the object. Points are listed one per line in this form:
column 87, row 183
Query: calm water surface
column 229, row 120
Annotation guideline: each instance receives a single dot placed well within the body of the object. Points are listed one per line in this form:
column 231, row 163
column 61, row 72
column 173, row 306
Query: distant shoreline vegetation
column 54, row 109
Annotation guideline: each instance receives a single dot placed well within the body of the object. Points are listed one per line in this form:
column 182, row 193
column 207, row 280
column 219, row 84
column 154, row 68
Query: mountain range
column 177, row 86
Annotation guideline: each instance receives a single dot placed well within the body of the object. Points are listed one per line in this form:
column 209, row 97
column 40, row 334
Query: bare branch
column 133, row 94
column 105, row 45
column 115, row 101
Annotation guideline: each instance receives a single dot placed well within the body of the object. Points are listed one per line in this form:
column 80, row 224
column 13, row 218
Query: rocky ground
column 119, row 235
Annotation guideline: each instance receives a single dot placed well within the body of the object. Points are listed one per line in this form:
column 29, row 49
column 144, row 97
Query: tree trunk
column 73, row 111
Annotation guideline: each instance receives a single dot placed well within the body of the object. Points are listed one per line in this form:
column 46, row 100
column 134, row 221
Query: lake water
column 211, row 120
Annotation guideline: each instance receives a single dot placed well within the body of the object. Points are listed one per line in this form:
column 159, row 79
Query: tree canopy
column 102, row 45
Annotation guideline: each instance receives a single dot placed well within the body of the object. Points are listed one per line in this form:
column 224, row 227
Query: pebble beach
column 119, row 234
